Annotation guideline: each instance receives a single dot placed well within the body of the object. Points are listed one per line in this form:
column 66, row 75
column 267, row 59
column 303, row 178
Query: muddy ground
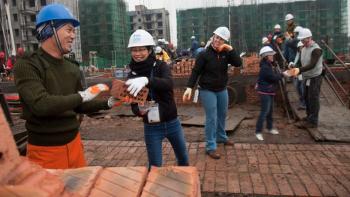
column 113, row 126
column 120, row 124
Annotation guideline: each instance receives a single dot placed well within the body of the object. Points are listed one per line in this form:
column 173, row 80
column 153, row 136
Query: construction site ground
column 291, row 163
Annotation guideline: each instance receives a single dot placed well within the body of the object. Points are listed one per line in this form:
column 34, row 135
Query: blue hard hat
column 55, row 12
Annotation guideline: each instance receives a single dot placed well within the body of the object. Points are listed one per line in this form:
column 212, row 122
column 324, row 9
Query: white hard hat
column 288, row 17
column 166, row 42
column 158, row 49
column 304, row 33
column 297, row 29
column 300, row 44
column 140, row 38
column 266, row 50
column 223, row 32
column 193, row 37
column 277, row 26
column 264, row 40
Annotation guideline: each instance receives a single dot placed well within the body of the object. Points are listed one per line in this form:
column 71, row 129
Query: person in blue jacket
column 266, row 85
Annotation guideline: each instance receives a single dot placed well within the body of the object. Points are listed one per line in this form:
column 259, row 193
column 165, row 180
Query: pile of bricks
column 183, row 68
column 22, row 178
column 251, row 65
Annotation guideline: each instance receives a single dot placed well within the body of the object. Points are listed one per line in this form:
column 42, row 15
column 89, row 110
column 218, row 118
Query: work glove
column 291, row 65
column 242, row 54
column 136, row 84
column 187, row 94
column 225, row 47
column 113, row 102
column 93, row 91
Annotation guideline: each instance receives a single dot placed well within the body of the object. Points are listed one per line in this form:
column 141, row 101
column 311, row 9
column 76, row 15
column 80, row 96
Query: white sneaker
column 259, row 136
column 274, row 131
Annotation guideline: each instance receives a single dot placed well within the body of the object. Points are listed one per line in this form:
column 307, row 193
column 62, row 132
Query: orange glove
column 92, row 92
column 225, row 47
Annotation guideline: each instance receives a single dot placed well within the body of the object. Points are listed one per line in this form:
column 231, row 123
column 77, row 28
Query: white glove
column 242, row 54
column 291, row 65
column 136, row 84
column 187, row 94
column 92, row 92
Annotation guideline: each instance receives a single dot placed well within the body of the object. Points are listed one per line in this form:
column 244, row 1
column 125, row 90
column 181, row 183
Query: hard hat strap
column 58, row 43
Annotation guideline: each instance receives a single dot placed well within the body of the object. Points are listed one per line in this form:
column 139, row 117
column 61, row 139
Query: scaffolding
column 253, row 19
column 104, row 29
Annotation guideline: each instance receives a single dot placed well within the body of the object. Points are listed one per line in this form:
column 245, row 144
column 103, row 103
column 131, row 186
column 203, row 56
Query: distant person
column 194, row 46
column 200, row 49
column 266, row 87
column 161, row 119
column 210, row 71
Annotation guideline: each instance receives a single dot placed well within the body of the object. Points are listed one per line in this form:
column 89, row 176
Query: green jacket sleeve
column 32, row 92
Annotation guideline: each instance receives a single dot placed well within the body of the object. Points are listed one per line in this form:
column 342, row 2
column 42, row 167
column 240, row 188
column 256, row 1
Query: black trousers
column 312, row 98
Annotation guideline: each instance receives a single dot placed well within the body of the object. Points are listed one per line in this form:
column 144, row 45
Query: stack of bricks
column 251, row 65
column 183, row 68
column 20, row 177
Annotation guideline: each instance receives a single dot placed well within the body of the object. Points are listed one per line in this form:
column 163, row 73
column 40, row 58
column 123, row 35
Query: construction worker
column 49, row 86
column 210, row 71
column 266, row 86
column 194, row 46
column 200, row 49
column 2, row 64
column 162, row 55
column 311, row 70
column 289, row 18
column 161, row 119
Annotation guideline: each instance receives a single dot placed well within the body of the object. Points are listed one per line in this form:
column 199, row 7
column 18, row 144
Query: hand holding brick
column 93, row 91
column 119, row 91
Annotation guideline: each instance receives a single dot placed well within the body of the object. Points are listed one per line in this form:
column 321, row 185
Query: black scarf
column 143, row 68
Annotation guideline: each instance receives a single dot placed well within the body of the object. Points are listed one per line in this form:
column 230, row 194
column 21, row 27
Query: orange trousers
column 70, row 155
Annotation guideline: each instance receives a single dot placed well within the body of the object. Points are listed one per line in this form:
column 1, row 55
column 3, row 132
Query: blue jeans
column 154, row 135
column 265, row 113
column 215, row 105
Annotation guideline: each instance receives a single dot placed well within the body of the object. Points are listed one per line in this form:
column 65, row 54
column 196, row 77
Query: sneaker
column 259, row 136
column 213, row 154
column 273, row 131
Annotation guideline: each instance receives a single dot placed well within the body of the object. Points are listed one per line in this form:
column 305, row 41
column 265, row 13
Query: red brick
column 281, row 156
column 258, row 184
column 322, row 185
column 220, row 181
column 297, row 186
column 271, row 186
column 311, row 187
column 21, row 191
column 264, row 168
column 245, row 183
column 125, row 181
column 10, row 157
column 283, row 184
column 261, row 157
column 79, row 180
column 275, row 169
column 271, row 157
column 233, row 183
column 333, row 183
column 172, row 181
column 209, row 181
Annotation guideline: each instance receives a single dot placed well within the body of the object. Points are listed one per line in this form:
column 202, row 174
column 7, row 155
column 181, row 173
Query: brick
column 8, row 151
column 283, row 184
column 220, row 181
column 79, row 180
column 261, row 157
column 124, row 181
column 322, row 185
column 333, row 183
column 281, row 156
column 245, row 183
column 271, row 157
column 21, row 191
column 310, row 186
column 275, row 169
column 297, row 186
column 271, row 185
column 233, row 182
column 209, row 181
column 258, row 184
column 172, row 181
column 119, row 91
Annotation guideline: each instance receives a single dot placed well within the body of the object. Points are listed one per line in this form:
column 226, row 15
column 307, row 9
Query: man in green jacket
column 49, row 86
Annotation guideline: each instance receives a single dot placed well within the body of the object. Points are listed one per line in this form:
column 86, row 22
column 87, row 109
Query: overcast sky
column 173, row 5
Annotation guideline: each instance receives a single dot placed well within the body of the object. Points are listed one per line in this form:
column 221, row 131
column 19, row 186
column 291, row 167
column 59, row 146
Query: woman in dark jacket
column 160, row 119
column 266, row 86
column 211, row 73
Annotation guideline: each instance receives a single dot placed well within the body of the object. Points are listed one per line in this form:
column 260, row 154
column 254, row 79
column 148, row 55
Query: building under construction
column 249, row 22
column 104, row 32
